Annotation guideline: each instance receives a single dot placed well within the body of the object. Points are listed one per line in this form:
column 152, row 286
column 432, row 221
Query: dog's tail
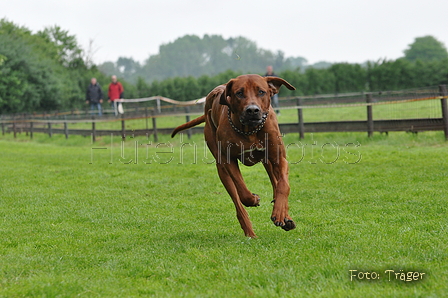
column 188, row 125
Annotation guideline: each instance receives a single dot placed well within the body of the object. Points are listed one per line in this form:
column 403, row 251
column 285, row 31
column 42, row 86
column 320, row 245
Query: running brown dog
column 240, row 124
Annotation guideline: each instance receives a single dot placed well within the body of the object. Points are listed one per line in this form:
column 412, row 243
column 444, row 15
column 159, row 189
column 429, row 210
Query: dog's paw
column 287, row 224
column 253, row 201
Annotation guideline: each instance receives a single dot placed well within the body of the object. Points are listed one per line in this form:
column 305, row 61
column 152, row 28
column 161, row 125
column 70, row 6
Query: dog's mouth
column 253, row 120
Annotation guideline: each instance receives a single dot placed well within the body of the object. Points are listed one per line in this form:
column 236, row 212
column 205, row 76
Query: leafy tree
column 69, row 53
column 390, row 75
column 143, row 88
column 191, row 55
column 204, row 84
column 295, row 63
column 108, row 68
column 191, row 88
column 27, row 83
column 154, row 89
column 42, row 71
column 130, row 90
column 127, row 66
column 430, row 73
column 297, row 79
column 348, row 77
column 321, row 65
column 426, row 48
column 319, row 81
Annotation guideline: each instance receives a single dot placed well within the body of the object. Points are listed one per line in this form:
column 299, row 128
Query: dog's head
column 249, row 96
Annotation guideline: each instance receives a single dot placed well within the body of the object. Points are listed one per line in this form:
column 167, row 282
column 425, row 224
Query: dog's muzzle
column 252, row 116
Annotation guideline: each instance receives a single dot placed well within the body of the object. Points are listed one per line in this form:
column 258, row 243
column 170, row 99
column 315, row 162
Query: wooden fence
column 31, row 124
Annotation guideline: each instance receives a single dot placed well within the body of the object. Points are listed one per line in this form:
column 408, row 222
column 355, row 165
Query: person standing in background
column 115, row 92
column 274, row 98
column 94, row 96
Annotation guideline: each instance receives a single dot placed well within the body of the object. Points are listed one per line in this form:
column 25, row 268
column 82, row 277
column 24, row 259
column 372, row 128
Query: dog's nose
column 252, row 110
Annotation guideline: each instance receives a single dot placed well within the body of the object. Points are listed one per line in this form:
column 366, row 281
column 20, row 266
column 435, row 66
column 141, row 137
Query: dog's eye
column 261, row 92
column 239, row 94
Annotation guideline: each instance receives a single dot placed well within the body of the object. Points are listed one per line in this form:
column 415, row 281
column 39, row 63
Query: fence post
column 3, row 125
column 369, row 115
column 300, row 114
column 14, row 129
column 50, row 132
column 25, row 124
column 65, row 127
column 444, row 93
column 123, row 127
column 158, row 105
column 31, row 130
column 154, row 127
column 93, row 129
column 146, row 117
column 21, row 123
column 187, row 110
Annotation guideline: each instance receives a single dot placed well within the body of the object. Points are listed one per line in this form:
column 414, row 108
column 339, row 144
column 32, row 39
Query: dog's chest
column 253, row 153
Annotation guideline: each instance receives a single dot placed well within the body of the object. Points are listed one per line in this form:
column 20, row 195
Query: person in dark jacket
column 94, row 96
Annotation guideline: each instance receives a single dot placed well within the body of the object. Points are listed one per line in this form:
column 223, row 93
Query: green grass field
column 83, row 222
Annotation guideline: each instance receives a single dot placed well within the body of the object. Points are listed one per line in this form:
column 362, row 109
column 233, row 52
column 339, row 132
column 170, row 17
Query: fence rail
column 44, row 123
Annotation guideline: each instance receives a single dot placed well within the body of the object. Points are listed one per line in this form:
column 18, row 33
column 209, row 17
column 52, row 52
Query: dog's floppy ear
column 223, row 99
column 275, row 83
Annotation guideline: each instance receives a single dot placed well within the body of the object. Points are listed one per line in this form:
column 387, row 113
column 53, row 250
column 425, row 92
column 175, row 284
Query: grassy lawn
column 83, row 222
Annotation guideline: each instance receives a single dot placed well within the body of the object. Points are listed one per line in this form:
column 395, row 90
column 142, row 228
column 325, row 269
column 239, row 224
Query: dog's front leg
column 280, row 215
column 241, row 213
column 269, row 169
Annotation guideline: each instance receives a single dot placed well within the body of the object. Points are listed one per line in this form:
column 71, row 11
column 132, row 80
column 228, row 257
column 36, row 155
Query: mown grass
column 163, row 225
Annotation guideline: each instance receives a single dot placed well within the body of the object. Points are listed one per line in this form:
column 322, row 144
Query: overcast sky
column 318, row 30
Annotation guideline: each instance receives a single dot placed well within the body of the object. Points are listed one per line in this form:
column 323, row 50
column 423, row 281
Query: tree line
column 382, row 75
column 425, row 63
column 48, row 70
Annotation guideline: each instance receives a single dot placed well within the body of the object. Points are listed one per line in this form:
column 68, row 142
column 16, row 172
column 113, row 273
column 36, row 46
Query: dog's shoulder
column 212, row 99
column 216, row 92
